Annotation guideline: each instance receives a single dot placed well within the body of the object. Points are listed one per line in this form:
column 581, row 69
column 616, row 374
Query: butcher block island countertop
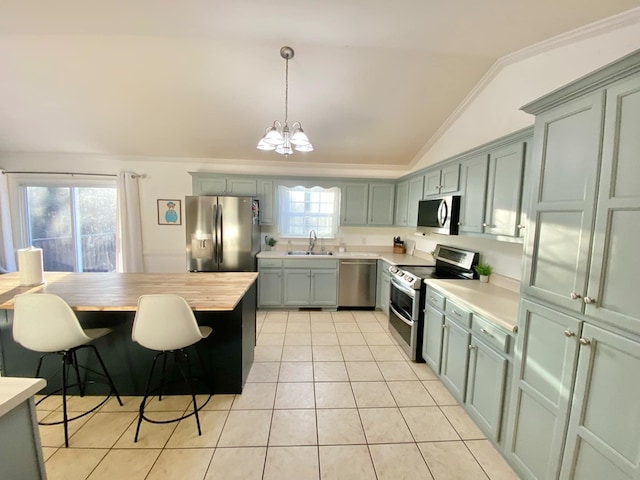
column 211, row 291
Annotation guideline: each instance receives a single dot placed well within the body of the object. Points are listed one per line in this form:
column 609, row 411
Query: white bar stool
column 166, row 323
column 45, row 323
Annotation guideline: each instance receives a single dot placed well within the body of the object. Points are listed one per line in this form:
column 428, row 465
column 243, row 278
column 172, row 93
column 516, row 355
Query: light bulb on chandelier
column 279, row 137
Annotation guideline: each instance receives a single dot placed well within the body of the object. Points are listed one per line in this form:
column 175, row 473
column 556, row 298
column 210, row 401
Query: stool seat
column 165, row 323
column 45, row 323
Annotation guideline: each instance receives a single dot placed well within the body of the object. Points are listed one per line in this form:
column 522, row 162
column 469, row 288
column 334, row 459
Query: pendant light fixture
column 280, row 137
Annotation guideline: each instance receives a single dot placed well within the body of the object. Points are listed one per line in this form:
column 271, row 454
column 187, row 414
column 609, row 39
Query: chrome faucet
column 313, row 238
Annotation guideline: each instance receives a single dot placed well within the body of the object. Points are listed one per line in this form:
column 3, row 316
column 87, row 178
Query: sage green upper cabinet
column 367, row 204
column 408, row 195
column 381, row 197
column 603, row 439
column 402, row 198
column 266, row 196
column 611, row 293
column 442, row 180
column 354, row 203
column 564, row 166
column 415, row 195
column 504, row 190
column 544, row 358
column 473, row 190
column 238, row 186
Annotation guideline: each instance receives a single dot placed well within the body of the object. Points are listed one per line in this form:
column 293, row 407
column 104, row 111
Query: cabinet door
column 324, row 287
column 354, row 203
column 473, row 189
column 415, row 195
column 485, row 387
column 544, row 360
column 504, row 190
column 385, row 292
column 381, row 203
column 450, row 178
column 402, row 197
column 612, row 287
column 455, row 358
column 297, row 284
column 270, row 287
column 603, row 440
column 432, row 183
column 210, row 186
column 565, row 167
column 242, row 187
column 266, row 198
column 432, row 340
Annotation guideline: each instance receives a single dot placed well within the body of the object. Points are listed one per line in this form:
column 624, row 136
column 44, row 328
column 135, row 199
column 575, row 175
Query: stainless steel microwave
column 440, row 215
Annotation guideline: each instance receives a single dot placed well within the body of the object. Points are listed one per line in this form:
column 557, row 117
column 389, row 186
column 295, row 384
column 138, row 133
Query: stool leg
column 188, row 380
column 164, row 369
column 146, row 395
column 106, row 373
column 74, row 360
column 40, row 365
column 64, row 399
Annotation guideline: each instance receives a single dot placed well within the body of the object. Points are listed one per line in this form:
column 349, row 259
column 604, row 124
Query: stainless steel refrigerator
column 223, row 234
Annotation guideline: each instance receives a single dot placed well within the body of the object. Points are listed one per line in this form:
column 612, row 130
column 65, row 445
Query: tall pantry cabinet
column 575, row 403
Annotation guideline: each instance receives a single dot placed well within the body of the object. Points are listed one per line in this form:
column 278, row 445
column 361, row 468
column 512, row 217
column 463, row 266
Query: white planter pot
column 484, row 278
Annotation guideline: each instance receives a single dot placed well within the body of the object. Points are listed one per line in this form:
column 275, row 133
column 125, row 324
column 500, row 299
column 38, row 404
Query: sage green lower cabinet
column 603, row 439
column 486, row 382
column 432, row 341
column 544, row 362
column 310, row 283
column 269, row 283
column 455, row 358
column 382, row 299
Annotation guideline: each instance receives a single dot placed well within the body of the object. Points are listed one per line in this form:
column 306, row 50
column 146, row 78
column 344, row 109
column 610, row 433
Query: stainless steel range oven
column 406, row 303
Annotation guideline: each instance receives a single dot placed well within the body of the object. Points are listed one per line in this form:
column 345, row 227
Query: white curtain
column 7, row 253
column 129, row 233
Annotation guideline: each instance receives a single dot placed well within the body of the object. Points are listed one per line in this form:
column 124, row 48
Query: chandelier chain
column 286, row 91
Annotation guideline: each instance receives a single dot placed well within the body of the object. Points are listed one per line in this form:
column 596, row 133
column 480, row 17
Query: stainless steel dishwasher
column 357, row 283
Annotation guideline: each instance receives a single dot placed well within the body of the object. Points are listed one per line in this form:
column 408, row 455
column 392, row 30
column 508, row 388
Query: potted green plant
column 484, row 270
column 271, row 242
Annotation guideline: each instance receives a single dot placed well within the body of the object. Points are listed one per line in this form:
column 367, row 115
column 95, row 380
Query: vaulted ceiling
column 371, row 80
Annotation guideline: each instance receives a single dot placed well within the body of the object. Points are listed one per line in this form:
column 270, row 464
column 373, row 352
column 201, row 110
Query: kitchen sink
column 302, row 252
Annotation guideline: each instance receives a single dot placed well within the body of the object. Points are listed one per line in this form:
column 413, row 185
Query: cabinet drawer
column 456, row 312
column 269, row 263
column 490, row 334
column 435, row 298
column 310, row 263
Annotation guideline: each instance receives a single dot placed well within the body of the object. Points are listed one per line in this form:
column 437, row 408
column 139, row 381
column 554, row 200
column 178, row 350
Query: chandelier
column 282, row 138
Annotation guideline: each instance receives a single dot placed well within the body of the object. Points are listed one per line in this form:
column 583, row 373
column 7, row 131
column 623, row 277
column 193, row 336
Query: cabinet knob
column 459, row 224
column 520, row 226
column 484, row 225
column 575, row 296
column 569, row 333
column 585, row 341
column 472, row 348
column 589, row 300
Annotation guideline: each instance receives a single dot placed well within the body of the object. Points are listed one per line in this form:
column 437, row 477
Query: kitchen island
column 224, row 301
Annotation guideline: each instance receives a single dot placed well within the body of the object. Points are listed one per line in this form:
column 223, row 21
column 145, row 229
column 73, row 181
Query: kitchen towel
column 30, row 269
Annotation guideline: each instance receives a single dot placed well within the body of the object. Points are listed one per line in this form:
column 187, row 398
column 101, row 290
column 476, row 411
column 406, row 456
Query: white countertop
column 494, row 303
column 15, row 390
column 389, row 257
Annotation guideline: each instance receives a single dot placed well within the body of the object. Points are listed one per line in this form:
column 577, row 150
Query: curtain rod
column 144, row 175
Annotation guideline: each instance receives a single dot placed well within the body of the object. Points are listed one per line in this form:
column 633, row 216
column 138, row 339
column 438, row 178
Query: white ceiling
column 371, row 81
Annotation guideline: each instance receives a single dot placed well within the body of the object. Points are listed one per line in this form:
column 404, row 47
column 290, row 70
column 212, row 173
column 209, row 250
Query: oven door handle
column 400, row 316
column 407, row 291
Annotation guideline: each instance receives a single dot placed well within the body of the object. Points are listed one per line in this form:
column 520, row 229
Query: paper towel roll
column 30, row 266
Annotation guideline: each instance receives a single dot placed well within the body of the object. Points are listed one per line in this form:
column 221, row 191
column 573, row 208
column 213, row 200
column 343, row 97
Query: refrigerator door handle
column 221, row 241
column 215, row 233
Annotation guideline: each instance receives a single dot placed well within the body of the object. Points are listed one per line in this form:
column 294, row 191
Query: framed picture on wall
column 169, row 212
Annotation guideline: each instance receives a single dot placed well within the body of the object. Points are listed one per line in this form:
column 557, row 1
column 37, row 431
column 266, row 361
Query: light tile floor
column 330, row 396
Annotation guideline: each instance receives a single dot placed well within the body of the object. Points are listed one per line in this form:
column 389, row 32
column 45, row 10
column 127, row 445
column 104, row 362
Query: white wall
column 492, row 110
